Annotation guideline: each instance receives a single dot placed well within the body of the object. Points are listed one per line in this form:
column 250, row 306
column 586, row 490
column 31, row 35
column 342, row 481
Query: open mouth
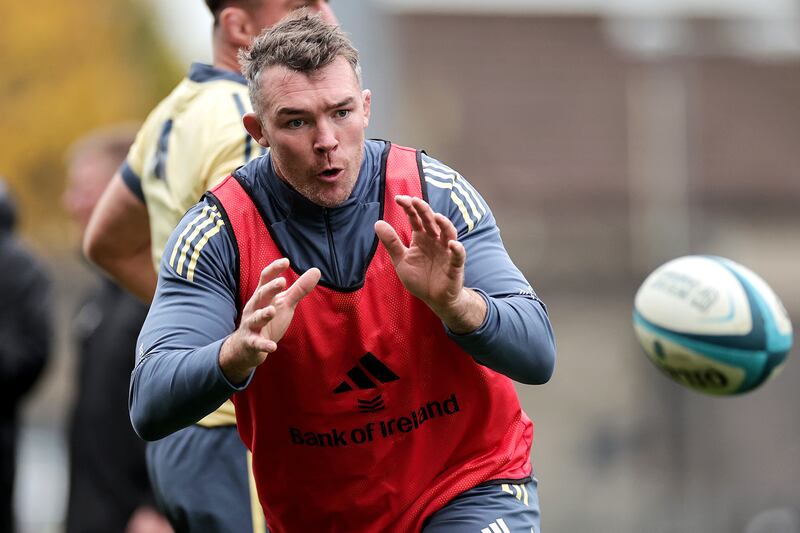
column 330, row 173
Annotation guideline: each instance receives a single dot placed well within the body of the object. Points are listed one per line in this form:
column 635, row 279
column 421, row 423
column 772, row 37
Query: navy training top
column 178, row 379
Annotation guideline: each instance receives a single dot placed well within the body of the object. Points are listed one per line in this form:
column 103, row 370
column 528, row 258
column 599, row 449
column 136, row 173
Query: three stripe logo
column 498, row 526
column 363, row 376
column 518, row 491
column 462, row 194
column 192, row 239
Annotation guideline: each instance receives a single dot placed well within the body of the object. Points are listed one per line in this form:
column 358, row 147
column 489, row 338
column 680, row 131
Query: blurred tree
column 66, row 68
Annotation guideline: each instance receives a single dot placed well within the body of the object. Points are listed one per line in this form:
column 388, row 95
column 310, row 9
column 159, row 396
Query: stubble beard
column 321, row 195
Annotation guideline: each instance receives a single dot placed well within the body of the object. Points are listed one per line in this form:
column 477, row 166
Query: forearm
column 173, row 389
column 233, row 367
column 117, row 239
column 516, row 339
column 466, row 315
column 132, row 270
column 177, row 379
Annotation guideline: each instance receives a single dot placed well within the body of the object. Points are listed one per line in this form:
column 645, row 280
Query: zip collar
column 202, row 72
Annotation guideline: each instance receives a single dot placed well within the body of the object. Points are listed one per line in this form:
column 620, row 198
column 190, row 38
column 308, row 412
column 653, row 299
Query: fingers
column 262, row 344
column 423, row 218
column 458, row 255
column 301, row 287
column 257, row 343
column 446, row 228
column 427, row 215
column 269, row 284
column 272, row 270
column 406, row 202
column 391, row 241
column 265, row 294
column 260, row 317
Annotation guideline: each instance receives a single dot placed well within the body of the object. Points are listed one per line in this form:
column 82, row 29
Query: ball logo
column 712, row 325
column 686, row 288
column 708, row 379
column 702, row 378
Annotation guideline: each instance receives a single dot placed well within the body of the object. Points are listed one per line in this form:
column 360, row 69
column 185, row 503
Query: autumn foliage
column 67, row 68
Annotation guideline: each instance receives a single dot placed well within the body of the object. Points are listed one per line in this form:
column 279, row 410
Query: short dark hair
column 216, row 6
column 302, row 42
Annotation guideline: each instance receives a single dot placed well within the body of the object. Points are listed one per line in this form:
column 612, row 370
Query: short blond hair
column 302, row 42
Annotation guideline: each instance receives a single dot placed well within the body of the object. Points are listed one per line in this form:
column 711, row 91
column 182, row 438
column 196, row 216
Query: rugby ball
column 712, row 325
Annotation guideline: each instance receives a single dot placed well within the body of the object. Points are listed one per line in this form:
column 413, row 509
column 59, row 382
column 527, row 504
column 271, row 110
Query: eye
column 294, row 124
column 342, row 113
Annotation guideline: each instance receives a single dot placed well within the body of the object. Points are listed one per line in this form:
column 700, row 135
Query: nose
column 325, row 11
column 325, row 140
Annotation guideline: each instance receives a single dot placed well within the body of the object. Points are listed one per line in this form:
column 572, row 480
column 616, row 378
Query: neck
column 225, row 56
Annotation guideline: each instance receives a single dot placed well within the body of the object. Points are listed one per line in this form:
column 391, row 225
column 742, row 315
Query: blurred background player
column 25, row 340
column 192, row 139
column 109, row 488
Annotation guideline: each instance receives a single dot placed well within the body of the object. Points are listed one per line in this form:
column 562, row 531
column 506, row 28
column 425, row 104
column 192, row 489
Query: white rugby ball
column 712, row 325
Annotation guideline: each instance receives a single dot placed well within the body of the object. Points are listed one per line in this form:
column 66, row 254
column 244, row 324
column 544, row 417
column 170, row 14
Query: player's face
column 271, row 12
column 87, row 177
column 315, row 126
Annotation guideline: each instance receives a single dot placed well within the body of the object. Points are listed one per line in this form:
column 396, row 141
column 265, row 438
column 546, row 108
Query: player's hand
column 432, row 266
column 265, row 319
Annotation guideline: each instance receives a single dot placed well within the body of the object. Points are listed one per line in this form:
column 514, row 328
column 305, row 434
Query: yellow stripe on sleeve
column 463, row 209
column 456, row 200
column 199, row 247
column 524, row 495
column 192, row 236
column 439, row 184
column 472, row 192
column 457, row 183
column 471, row 200
column 186, row 230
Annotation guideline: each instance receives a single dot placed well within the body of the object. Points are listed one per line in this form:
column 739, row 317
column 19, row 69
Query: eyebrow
column 291, row 111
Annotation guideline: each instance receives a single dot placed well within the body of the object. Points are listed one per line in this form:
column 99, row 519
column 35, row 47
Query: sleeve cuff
column 132, row 180
column 490, row 312
column 221, row 375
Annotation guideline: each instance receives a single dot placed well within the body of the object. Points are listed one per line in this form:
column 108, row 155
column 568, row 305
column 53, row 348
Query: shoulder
column 162, row 112
column 151, row 131
column 451, row 194
column 210, row 124
column 201, row 110
column 220, row 101
column 198, row 243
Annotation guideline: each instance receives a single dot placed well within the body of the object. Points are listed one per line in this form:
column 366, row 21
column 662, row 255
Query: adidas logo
column 519, row 491
column 498, row 526
column 361, row 376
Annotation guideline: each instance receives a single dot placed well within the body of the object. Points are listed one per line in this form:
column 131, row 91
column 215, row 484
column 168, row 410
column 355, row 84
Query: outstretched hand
column 265, row 319
column 432, row 266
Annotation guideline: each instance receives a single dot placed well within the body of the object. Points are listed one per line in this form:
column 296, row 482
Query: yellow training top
column 188, row 143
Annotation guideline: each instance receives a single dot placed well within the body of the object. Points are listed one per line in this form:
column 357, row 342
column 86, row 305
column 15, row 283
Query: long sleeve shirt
column 178, row 379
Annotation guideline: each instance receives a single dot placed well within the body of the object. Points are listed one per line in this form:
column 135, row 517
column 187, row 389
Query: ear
column 366, row 98
column 236, row 26
column 253, row 126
